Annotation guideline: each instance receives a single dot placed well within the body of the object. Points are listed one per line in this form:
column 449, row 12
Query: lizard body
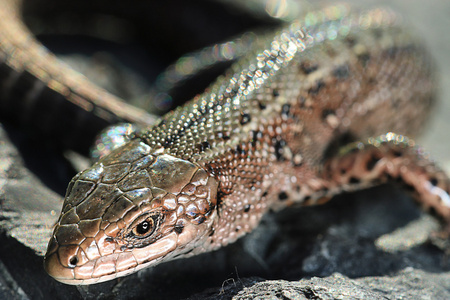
column 309, row 112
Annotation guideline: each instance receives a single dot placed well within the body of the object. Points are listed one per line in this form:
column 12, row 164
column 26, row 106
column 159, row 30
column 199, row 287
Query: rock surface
column 371, row 244
column 409, row 284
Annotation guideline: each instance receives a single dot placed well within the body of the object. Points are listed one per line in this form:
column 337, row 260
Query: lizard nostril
column 73, row 261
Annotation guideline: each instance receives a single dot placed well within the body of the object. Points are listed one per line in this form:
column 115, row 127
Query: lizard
column 309, row 112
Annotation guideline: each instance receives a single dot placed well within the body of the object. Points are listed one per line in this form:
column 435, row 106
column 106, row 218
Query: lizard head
column 132, row 209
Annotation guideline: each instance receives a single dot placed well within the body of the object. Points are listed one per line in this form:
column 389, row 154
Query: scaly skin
column 281, row 127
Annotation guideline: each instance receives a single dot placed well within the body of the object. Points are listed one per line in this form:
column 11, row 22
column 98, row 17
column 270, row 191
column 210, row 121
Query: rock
column 28, row 208
column 408, row 284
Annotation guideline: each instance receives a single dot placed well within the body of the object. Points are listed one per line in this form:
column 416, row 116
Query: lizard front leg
column 391, row 157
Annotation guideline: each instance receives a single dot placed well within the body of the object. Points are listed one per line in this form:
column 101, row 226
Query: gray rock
column 28, row 208
column 408, row 284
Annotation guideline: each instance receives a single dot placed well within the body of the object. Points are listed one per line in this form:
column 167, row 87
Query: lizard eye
column 145, row 226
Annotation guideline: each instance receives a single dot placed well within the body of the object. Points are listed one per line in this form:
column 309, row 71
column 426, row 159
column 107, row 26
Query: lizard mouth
column 75, row 269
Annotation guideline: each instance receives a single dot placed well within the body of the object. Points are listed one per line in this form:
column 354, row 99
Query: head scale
column 132, row 209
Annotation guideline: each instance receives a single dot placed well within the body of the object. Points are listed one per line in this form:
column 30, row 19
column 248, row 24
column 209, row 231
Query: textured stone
column 408, row 284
